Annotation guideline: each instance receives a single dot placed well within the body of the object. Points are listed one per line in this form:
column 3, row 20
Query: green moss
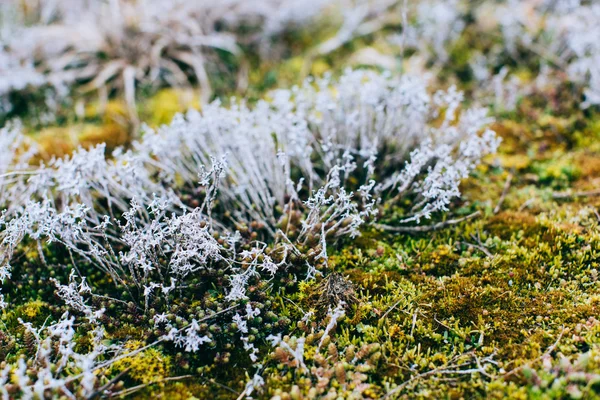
column 146, row 367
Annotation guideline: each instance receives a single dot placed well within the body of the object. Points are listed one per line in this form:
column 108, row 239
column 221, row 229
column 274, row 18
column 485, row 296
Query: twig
column 504, row 193
column 442, row 324
column 111, row 298
column 551, row 58
column 213, row 382
column 109, row 384
column 414, row 322
column 390, row 309
column 128, row 391
column 444, row 370
column 526, row 204
column 15, row 173
column 481, row 368
column 546, row 353
column 426, row 228
column 570, row 195
column 478, row 247
column 297, row 306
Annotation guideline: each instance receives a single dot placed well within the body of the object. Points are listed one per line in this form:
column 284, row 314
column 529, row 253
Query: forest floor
column 501, row 305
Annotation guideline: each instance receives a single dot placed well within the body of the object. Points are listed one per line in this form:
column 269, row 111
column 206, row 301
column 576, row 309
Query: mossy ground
column 517, row 288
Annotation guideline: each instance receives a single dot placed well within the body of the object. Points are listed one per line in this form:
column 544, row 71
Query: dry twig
column 427, row 228
column 504, row 193
column 572, row 195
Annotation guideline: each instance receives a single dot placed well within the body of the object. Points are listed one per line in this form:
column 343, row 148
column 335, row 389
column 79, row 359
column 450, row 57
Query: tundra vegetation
column 317, row 200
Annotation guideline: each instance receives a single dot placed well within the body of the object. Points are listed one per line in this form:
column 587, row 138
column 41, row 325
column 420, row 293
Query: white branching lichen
column 298, row 156
column 310, row 166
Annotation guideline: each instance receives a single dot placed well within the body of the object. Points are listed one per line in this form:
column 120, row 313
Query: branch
column 128, row 391
column 504, row 193
column 103, row 389
column 426, row 228
column 447, row 369
column 572, row 195
column 546, row 353
column 479, row 247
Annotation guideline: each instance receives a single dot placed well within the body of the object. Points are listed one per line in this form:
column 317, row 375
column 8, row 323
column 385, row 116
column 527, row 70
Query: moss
column 112, row 134
column 146, row 367
column 56, row 141
column 162, row 107
column 34, row 311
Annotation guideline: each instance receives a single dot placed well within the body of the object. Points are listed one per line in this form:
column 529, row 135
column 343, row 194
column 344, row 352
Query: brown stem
column 426, row 228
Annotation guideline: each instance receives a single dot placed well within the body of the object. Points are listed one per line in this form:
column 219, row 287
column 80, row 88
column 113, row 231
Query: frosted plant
column 16, row 152
column 72, row 295
column 436, row 25
column 345, row 128
column 124, row 43
column 429, row 29
column 16, row 75
column 339, row 127
column 297, row 353
column 365, row 112
column 87, row 174
column 254, row 262
column 158, row 249
column 58, row 367
column 334, row 209
column 579, row 30
column 184, row 239
column 334, row 316
column 376, row 115
column 41, row 221
column 261, row 182
column 188, row 338
column 561, row 33
column 253, row 384
column 241, row 323
column 242, row 326
column 82, row 178
column 297, row 152
column 306, row 166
